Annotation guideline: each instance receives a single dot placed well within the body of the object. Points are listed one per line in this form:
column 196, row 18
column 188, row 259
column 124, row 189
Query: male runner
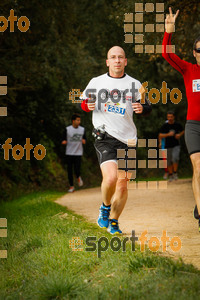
column 74, row 138
column 172, row 132
column 114, row 96
column 161, row 143
column 191, row 76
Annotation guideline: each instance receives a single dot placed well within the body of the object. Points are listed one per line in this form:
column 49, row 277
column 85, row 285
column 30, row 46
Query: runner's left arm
column 142, row 109
column 147, row 108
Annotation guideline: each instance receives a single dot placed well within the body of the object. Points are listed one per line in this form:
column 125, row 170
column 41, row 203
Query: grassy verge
column 41, row 265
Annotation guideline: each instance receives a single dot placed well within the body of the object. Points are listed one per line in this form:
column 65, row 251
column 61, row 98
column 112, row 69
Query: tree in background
column 65, row 46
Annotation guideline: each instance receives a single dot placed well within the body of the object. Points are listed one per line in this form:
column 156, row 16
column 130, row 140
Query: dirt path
column 152, row 210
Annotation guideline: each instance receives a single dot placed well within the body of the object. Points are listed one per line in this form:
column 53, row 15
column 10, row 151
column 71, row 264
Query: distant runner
column 172, row 132
column 74, row 137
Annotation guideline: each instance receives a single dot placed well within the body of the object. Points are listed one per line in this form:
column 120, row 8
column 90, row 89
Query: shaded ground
column 169, row 209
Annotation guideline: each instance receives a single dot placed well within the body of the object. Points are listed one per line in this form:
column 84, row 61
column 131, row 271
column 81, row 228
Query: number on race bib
column 116, row 110
column 196, row 85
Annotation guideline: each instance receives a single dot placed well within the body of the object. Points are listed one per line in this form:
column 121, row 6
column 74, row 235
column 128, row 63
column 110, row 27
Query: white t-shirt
column 113, row 109
column 74, row 140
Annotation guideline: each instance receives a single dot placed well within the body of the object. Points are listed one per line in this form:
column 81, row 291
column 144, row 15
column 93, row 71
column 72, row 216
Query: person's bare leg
column 195, row 158
column 175, row 167
column 170, row 169
column 119, row 198
column 114, row 184
column 108, row 185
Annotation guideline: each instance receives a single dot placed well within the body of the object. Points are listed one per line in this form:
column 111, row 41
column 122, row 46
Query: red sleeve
column 177, row 63
column 84, row 105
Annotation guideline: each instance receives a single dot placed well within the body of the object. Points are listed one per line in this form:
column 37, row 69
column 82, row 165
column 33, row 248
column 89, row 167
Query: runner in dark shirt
column 172, row 131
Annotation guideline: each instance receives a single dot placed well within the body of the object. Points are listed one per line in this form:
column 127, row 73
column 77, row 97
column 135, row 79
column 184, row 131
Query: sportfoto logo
column 154, row 95
column 23, row 22
column 135, row 27
column 39, row 151
column 116, row 244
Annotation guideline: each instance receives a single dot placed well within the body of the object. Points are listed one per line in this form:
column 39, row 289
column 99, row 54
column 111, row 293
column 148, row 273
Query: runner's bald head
column 116, row 61
column 111, row 50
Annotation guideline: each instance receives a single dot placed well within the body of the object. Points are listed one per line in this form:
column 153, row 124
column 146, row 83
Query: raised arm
column 170, row 21
column 177, row 63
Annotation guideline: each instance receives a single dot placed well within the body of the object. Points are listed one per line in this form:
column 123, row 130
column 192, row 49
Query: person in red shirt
column 191, row 76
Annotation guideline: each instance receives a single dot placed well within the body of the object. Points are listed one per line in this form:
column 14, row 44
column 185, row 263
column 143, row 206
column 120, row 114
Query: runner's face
column 76, row 122
column 197, row 55
column 116, row 61
column 170, row 118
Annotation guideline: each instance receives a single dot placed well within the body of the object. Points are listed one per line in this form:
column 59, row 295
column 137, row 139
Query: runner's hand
column 177, row 136
column 137, row 108
column 171, row 133
column 91, row 106
column 170, row 21
column 91, row 103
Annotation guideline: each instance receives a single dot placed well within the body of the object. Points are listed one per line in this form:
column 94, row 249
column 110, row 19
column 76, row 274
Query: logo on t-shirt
column 196, row 85
column 76, row 137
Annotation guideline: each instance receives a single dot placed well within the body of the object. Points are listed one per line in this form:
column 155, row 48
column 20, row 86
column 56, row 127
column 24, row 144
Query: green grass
column 41, row 265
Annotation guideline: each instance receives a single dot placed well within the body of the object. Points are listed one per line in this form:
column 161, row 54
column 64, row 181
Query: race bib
column 115, row 108
column 196, row 85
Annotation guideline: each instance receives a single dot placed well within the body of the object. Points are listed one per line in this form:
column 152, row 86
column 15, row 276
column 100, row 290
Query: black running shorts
column 192, row 136
column 106, row 150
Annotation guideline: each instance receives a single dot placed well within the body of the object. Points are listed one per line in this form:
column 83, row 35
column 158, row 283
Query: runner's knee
column 110, row 180
column 121, row 185
column 196, row 167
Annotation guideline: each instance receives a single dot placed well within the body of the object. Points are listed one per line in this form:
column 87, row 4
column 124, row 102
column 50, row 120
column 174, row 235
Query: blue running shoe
column 113, row 227
column 103, row 219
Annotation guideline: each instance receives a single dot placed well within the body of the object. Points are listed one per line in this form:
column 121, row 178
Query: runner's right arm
column 64, row 139
column 84, row 105
column 87, row 106
column 87, row 103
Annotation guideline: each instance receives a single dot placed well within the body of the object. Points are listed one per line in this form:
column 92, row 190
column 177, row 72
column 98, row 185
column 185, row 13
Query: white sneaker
column 80, row 181
column 71, row 189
